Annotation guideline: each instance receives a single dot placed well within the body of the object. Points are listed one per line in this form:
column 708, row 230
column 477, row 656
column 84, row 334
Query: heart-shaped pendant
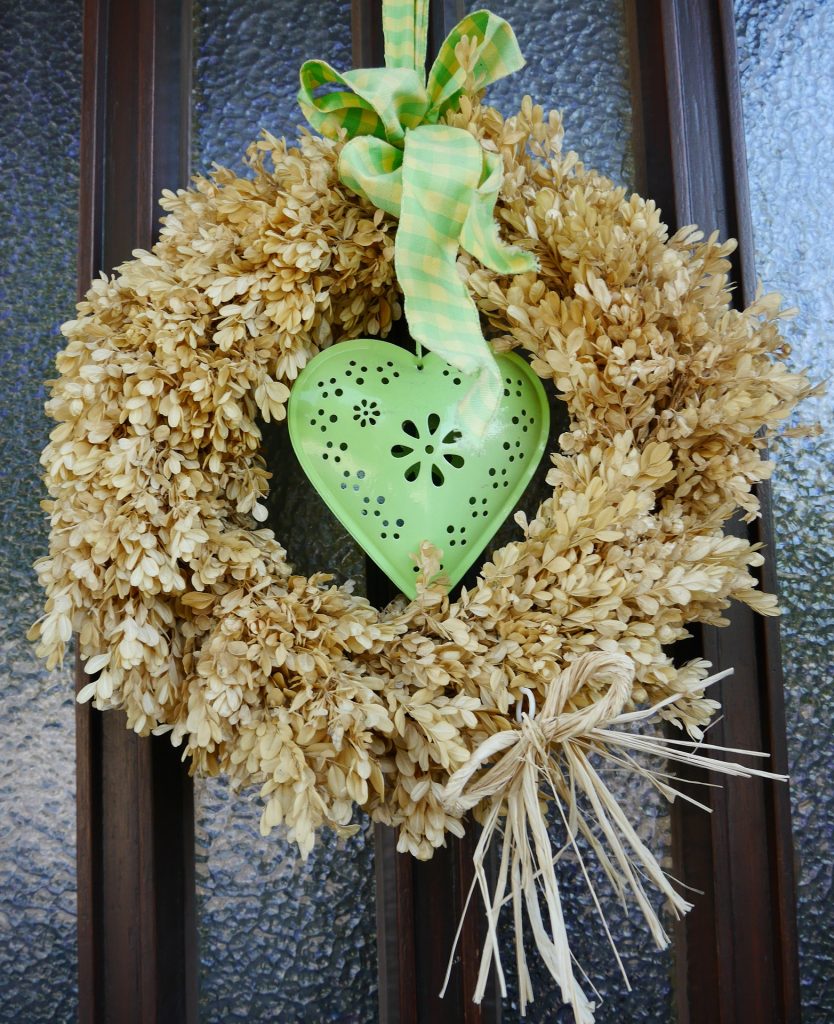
column 378, row 432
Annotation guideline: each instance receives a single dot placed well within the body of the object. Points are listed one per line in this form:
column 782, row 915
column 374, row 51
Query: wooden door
column 735, row 957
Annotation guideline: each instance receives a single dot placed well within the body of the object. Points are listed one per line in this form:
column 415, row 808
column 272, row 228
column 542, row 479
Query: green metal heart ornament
column 379, row 433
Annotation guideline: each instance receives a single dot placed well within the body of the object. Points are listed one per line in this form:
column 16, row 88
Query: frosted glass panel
column 40, row 81
column 786, row 52
column 280, row 940
column 577, row 62
column 246, row 62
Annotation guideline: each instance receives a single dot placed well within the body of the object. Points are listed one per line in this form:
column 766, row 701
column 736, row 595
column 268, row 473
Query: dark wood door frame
column 135, row 840
column 736, row 953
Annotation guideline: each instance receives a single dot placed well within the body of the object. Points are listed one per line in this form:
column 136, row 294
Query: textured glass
column 280, row 939
column 246, row 62
column 577, row 62
column 786, row 53
column 40, row 83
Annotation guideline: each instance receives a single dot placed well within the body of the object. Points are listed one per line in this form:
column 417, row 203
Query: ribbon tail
column 440, row 173
column 479, row 235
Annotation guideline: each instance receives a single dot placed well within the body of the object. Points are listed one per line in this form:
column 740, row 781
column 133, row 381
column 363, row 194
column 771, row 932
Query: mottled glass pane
column 786, row 53
column 246, row 62
column 40, row 81
column 280, row 939
column 577, row 62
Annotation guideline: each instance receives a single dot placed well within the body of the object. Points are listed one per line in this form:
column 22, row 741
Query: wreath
column 507, row 699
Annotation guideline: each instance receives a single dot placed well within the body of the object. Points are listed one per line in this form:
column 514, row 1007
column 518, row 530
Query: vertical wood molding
column 137, row 946
column 737, row 950
column 419, row 903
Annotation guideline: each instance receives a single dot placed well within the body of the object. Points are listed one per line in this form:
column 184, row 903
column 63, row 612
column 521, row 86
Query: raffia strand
column 549, row 755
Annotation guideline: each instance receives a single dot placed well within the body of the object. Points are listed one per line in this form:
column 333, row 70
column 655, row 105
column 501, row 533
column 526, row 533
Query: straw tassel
column 548, row 756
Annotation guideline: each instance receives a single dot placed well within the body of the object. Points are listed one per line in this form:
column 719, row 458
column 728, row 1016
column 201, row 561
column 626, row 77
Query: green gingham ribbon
column 438, row 180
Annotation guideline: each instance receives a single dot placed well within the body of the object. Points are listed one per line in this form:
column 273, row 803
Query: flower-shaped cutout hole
column 425, row 450
column 366, row 412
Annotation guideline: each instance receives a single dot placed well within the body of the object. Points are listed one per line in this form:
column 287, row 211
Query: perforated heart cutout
column 378, row 433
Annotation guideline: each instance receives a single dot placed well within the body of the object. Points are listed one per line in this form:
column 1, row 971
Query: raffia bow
column 438, row 180
column 549, row 756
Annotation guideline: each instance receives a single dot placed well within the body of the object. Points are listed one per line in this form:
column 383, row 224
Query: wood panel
column 419, row 904
column 137, row 948
column 736, row 952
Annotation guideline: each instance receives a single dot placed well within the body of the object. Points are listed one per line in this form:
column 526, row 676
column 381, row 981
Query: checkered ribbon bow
column 438, row 180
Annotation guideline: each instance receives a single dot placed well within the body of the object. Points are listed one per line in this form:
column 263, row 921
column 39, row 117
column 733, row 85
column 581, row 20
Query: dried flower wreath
column 191, row 621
